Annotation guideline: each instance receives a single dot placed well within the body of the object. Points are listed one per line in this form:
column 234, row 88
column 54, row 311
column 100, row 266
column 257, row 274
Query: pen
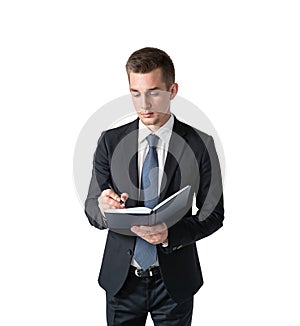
column 120, row 201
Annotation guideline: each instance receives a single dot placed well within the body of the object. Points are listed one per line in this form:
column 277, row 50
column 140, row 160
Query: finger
column 147, row 235
column 139, row 232
column 124, row 197
column 107, row 203
column 135, row 229
column 151, row 230
column 109, row 197
column 154, row 239
column 109, row 193
column 113, row 203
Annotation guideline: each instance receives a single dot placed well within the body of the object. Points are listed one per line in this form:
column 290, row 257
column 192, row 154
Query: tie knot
column 152, row 140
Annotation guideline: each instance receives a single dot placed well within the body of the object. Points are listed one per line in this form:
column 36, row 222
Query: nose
column 145, row 104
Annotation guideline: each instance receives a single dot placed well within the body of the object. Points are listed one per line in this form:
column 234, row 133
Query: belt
column 151, row 271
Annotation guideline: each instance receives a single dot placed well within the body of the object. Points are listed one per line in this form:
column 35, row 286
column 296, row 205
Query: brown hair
column 147, row 59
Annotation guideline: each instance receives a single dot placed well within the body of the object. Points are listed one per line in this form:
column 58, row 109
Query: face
column 151, row 98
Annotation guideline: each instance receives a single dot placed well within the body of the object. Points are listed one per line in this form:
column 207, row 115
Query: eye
column 153, row 93
column 135, row 94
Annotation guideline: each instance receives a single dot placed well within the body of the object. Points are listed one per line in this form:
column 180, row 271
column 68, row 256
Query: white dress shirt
column 164, row 133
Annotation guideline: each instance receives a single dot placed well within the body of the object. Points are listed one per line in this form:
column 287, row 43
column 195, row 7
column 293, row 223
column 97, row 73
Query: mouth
column 147, row 115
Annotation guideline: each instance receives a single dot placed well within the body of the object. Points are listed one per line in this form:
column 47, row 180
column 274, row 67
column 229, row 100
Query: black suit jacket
column 192, row 160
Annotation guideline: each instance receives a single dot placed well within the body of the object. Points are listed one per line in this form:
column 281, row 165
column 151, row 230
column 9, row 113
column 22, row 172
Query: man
column 178, row 155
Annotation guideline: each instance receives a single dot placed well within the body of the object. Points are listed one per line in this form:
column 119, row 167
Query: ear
column 173, row 90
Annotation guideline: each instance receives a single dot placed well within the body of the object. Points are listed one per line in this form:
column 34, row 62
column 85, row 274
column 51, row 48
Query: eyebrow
column 150, row 89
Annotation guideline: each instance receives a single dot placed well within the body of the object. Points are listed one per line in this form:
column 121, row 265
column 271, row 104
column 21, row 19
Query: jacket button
column 129, row 252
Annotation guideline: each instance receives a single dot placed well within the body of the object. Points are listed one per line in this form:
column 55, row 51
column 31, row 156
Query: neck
column 155, row 127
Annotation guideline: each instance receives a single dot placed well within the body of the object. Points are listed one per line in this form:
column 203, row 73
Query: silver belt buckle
column 138, row 272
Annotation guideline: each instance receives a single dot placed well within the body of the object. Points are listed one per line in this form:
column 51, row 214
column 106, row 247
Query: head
column 151, row 76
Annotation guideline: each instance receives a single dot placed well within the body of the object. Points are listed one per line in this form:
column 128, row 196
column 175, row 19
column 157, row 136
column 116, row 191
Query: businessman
column 153, row 269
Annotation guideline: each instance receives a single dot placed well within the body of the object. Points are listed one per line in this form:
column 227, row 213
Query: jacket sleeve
column 209, row 201
column 92, row 209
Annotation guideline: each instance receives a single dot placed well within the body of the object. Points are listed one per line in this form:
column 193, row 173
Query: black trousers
column 140, row 296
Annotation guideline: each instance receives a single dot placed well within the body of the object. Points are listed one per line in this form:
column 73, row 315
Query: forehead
column 146, row 81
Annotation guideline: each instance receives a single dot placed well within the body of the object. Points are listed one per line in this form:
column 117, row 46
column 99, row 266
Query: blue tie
column 145, row 252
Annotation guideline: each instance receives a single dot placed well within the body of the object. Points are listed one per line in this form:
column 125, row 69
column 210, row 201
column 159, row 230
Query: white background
column 61, row 61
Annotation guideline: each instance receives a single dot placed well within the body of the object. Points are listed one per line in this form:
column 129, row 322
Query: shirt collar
column 164, row 132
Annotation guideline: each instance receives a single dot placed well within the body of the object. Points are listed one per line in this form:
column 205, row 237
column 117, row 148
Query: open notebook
column 169, row 211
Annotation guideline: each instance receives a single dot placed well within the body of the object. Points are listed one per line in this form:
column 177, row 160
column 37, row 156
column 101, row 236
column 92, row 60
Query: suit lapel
column 176, row 149
column 126, row 161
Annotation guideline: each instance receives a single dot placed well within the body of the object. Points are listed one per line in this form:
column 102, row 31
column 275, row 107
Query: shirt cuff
column 165, row 244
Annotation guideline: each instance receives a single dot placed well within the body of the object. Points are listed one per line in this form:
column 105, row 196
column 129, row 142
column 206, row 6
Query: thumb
column 124, row 196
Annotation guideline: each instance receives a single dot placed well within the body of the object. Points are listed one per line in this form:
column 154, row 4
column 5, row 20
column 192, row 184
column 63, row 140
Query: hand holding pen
column 109, row 199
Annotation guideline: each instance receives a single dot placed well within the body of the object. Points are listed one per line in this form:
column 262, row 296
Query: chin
column 149, row 121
